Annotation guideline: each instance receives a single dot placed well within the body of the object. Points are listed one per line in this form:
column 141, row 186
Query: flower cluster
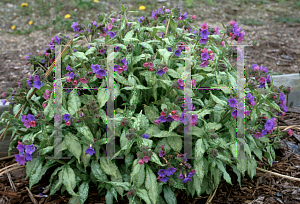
column 26, row 155
column 144, row 155
column 251, row 99
column 131, row 193
column 149, row 64
column 282, row 104
column 204, row 33
column 37, row 83
column 261, row 71
column 100, row 73
column 180, row 83
column 131, row 135
column 206, row 56
column 240, row 111
column 235, row 32
column 269, row 125
column 119, row 69
column 164, row 173
column 66, row 118
column 29, row 120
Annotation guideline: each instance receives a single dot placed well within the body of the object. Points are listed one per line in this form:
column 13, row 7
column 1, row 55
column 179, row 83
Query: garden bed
column 264, row 188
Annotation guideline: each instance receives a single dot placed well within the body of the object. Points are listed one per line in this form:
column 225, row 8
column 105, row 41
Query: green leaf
column 173, row 73
column 151, row 185
column 109, row 198
column 35, row 171
column 46, row 150
column 86, row 132
column 49, row 110
column 165, row 54
column 174, row 125
column 155, row 158
column 150, row 113
column 16, row 109
column 199, row 168
column 135, row 169
column 251, row 168
column 200, row 149
column 142, row 193
column 217, row 100
column 147, row 46
column 90, row 51
column 97, row 171
column 83, row 191
column 55, row 186
column 73, row 145
column 69, row 179
column 169, row 195
column 214, row 125
column 73, row 102
column 80, row 55
column 197, row 184
column 121, row 79
column 85, row 158
column 120, row 190
column 139, row 178
column 102, row 97
column 175, row 143
column 125, row 185
column 173, row 25
column 226, row 176
column 109, row 167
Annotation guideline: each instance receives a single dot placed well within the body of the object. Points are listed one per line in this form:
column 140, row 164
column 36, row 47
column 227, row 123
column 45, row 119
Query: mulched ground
column 265, row 188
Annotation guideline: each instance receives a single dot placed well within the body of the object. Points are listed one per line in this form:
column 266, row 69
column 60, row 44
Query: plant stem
column 168, row 24
column 159, row 102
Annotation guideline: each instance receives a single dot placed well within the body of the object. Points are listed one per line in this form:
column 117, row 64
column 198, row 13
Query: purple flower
column 28, row 157
column 56, row 118
column 105, row 30
column 141, row 19
column 146, row 136
column 66, row 117
column 180, row 82
column 69, row 68
column 257, row 135
column 27, row 124
column 232, row 102
column 101, row 72
column 194, row 118
column 51, row 46
column 164, row 179
column 180, row 176
column 95, row 68
column 38, row 84
column 71, row 75
column 111, row 34
column 117, row 48
column 184, row 16
column 161, row 153
column 30, row 117
column 89, row 46
column 191, row 174
column 282, row 96
column 269, row 124
column 170, row 171
column 204, row 56
column 20, row 159
column 204, row 64
column 160, row 72
column 90, row 151
column 161, row 173
column 186, row 179
column 177, row 53
column 29, row 149
column 247, row 112
column 21, row 147
column 57, row 39
column 234, row 113
column 36, row 78
column 102, row 51
column 169, row 118
column 124, row 61
column 75, row 50
column 74, row 26
column 42, row 61
column 184, row 118
column 3, row 102
column 116, row 67
column 204, row 34
column 28, row 56
column 162, row 119
column 95, row 24
column 203, row 40
column 269, row 78
column 264, row 132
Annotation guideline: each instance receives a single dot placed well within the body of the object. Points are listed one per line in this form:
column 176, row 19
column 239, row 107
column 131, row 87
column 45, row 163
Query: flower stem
column 168, row 24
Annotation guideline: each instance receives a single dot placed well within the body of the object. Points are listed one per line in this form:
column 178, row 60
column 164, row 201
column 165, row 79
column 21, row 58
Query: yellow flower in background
column 142, row 8
column 30, row 22
column 95, row 1
column 67, row 16
column 13, row 27
column 24, row 5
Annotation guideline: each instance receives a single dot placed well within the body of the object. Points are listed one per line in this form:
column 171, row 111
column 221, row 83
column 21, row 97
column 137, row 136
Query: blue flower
column 184, row 118
column 30, row 117
column 20, row 146
column 203, row 40
column 20, row 159
column 232, row 102
column 57, row 39
column 164, row 179
column 102, row 51
column 204, row 56
column 95, row 24
column 169, row 49
column 161, row 153
column 111, row 34
column 29, row 149
column 74, row 26
column 146, row 136
column 141, row 19
column 3, row 101
column 69, row 68
column 42, row 61
column 95, row 68
column 162, row 119
column 90, row 151
column 101, row 72
column 117, row 48
column 177, row 53
column 28, row 157
column 186, row 179
column 66, row 117
column 160, row 72
column 124, row 61
column 38, row 84
column 161, row 173
column 184, row 16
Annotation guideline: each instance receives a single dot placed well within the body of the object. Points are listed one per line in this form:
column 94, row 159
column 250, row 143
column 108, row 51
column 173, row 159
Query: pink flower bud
column 150, row 69
column 209, row 52
column 44, row 105
column 179, row 18
column 75, row 82
column 140, row 161
column 145, row 64
column 46, row 54
column 69, row 80
column 83, row 80
column 68, row 123
column 223, row 43
column 32, row 123
column 163, row 114
column 150, row 64
column 204, row 50
column 194, row 17
column 173, row 112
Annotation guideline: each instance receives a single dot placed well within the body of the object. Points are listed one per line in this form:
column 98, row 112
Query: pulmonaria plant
column 152, row 114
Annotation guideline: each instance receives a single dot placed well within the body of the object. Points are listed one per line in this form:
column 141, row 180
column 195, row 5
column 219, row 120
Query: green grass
column 251, row 21
column 287, row 20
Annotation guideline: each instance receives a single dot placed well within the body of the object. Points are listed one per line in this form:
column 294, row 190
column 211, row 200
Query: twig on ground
column 211, row 196
column 12, row 184
column 8, row 157
column 8, row 170
column 276, row 58
column 31, row 196
column 280, row 175
column 5, row 168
